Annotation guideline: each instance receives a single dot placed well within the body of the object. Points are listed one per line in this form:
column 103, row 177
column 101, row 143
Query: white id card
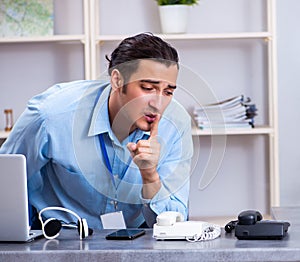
column 114, row 220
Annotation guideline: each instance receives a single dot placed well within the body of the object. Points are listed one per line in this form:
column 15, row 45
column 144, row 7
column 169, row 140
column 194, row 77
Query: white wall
column 289, row 98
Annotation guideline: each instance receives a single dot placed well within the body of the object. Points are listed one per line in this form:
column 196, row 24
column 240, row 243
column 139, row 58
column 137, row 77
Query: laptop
column 14, row 220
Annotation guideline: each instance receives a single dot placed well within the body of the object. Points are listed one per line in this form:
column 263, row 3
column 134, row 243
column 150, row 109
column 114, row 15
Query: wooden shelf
column 249, row 35
column 263, row 130
column 37, row 39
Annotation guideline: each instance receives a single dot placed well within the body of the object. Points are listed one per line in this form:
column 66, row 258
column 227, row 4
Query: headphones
column 248, row 217
column 52, row 226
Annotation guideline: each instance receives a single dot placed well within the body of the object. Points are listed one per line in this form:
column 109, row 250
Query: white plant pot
column 173, row 18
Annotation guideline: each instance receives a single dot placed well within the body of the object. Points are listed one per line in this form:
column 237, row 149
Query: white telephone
column 170, row 225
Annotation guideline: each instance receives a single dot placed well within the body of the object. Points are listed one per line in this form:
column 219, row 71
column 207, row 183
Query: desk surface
column 96, row 248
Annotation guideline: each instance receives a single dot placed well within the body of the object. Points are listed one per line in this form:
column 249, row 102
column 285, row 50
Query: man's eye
column 169, row 93
column 147, row 88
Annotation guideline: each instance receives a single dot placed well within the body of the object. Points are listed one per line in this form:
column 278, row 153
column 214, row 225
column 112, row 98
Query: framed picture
column 26, row 18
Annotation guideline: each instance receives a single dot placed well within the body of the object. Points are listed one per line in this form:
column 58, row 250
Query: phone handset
column 171, row 225
column 169, row 218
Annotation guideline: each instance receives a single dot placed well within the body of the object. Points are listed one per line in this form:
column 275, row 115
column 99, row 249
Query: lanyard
column 106, row 159
column 107, row 163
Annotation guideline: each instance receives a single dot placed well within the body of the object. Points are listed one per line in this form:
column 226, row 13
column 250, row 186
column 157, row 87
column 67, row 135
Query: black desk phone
column 250, row 225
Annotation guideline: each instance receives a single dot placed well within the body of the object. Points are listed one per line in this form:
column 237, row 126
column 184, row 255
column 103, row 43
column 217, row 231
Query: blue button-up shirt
column 59, row 135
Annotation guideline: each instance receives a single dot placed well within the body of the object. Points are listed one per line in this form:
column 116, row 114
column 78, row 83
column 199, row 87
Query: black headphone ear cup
column 84, row 228
column 52, row 227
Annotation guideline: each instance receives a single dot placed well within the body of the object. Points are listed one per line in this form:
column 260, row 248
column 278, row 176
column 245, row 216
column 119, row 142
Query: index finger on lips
column 154, row 127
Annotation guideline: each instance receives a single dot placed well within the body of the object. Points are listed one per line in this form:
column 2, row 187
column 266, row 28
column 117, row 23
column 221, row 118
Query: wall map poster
column 26, row 18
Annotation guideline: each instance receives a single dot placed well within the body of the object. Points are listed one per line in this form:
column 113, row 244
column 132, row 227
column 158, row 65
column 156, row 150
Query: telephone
column 250, row 225
column 171, row 225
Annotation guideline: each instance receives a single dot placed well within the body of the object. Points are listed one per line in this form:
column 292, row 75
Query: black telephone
column 250, row 225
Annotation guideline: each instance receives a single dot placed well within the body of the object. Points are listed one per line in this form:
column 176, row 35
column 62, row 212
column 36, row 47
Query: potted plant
column 174, row 15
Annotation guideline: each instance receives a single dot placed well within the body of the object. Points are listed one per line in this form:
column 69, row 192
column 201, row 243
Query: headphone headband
column 55, row 225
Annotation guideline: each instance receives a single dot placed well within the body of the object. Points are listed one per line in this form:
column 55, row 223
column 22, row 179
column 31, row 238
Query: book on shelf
column 235, row 112
column 228, row 103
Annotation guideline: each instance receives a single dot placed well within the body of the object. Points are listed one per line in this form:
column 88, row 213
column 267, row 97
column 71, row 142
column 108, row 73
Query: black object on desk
column 125, row 234
column 265, row 229
column 251, row 226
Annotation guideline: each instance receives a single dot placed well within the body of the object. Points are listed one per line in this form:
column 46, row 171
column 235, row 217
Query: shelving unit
column 81, row 38
column 93, row 41
column 97, row 40
column 268, row 36
column 56, row 42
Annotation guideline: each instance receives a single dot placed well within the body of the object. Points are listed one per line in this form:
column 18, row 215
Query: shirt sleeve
column 29, row 137
column 174, row 172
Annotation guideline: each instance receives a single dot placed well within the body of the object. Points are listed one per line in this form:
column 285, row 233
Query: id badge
column 114, row 220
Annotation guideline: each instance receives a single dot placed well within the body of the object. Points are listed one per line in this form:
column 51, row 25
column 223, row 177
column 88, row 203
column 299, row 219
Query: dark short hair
column 131, row 50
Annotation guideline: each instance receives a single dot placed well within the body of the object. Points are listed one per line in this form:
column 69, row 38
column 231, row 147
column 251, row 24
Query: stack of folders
column 235, row 112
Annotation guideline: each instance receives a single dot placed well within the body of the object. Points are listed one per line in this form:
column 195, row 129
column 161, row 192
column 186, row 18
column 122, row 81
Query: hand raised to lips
column 145, row 153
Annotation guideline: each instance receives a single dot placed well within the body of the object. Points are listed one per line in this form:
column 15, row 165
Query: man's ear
column 116, row 79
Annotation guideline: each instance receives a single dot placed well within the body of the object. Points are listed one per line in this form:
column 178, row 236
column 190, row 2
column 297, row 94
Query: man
column 98, row 147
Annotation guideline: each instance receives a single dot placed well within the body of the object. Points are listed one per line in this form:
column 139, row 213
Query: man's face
column 148, row 93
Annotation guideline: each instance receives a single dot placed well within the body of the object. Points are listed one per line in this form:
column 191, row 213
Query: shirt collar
column 100, row 119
